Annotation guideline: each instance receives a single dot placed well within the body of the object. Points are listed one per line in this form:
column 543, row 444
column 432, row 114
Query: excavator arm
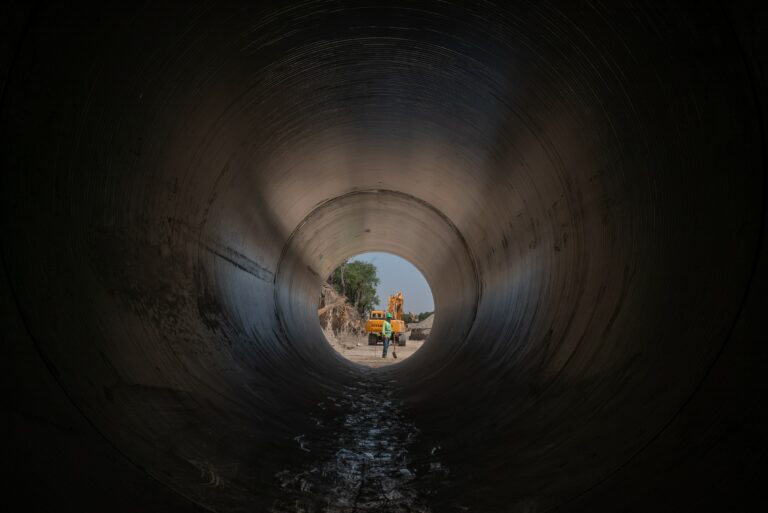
column 395, row 305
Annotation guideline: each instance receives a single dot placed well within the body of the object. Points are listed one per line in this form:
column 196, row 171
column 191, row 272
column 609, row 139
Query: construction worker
column 386, row 334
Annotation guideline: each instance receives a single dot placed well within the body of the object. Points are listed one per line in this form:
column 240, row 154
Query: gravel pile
column 421, row 330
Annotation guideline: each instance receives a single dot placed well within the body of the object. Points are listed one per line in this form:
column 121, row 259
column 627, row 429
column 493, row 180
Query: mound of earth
column 421, row 330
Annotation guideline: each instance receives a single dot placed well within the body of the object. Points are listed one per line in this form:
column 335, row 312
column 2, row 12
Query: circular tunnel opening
column 385, row 222
column 373, row 296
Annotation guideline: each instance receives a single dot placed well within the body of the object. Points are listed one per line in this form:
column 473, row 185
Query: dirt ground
column 358, row 350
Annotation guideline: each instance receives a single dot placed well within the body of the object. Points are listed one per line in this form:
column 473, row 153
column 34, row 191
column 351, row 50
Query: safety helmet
column 389, row 315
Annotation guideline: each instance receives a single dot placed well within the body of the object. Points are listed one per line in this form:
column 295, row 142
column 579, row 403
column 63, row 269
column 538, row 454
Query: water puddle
column 361, row 460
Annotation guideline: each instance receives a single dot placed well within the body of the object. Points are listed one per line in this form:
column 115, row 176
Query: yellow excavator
column 376, row 319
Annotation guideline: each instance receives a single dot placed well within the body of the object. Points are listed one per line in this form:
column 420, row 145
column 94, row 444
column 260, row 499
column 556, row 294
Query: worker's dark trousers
column 386, row 346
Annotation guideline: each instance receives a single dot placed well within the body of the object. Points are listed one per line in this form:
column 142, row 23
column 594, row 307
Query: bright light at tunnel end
column 355, row 301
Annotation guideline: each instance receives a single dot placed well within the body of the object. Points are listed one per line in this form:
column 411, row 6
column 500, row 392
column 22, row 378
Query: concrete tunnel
column 582, row 185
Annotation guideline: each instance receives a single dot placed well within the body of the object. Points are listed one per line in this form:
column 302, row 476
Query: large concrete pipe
column 582, row 185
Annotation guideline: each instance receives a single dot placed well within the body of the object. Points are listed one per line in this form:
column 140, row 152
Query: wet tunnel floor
column 362, row 457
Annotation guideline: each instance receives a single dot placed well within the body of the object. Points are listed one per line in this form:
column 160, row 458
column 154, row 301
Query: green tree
column 357, row 281
column 424, row 315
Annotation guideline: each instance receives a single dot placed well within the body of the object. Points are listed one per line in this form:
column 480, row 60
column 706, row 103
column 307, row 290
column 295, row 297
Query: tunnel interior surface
column 581, row 184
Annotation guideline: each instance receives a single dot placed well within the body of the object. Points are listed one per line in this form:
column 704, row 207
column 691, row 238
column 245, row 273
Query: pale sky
column 399, row 275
